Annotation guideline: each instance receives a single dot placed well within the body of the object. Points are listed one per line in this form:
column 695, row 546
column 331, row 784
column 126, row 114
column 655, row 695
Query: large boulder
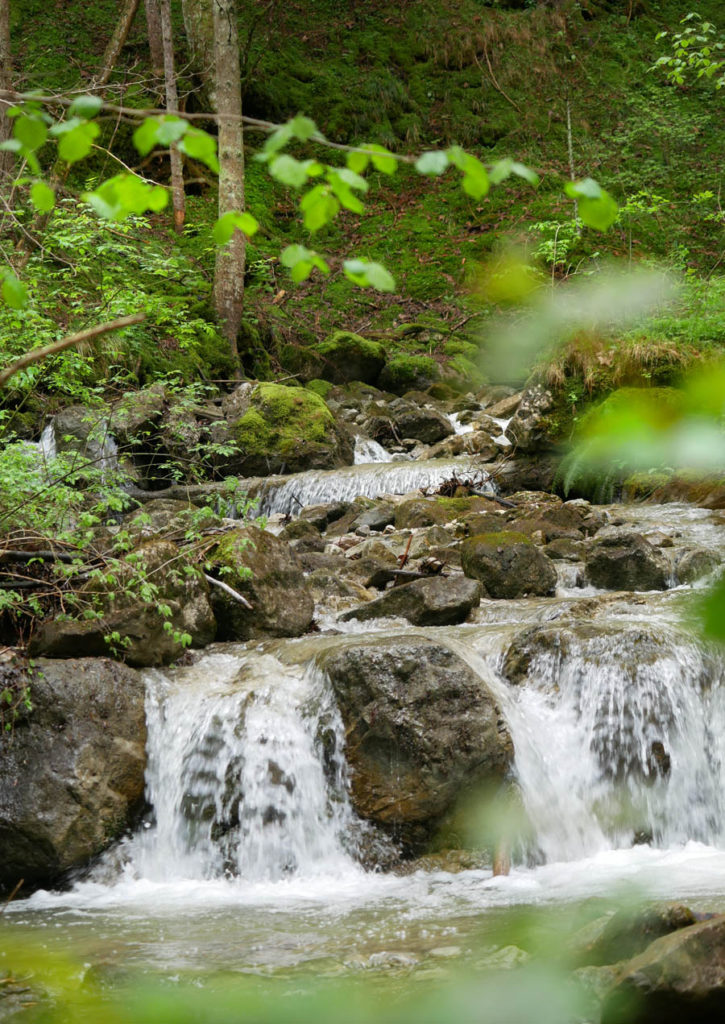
column 508, row 565
column 403, row 373
column 438, row 601
column 422, row 423
column 285, row 430
column 72, row 769
column 347, row 357
column 624, row 560
column 423, row 730
column 130, row 621
column 269, row 575
column 680, row 977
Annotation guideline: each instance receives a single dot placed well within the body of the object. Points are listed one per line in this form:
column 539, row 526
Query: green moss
column 409, row 373
column 463, row 506
column 280, row 418
column 319, row 387
column 501, row 539
column 347, row 357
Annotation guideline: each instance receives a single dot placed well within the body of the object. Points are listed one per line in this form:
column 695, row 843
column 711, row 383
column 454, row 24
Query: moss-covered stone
column 405, row 373
column 320, row 387
column 287, row 430
column 508, row 564
column 347, row 357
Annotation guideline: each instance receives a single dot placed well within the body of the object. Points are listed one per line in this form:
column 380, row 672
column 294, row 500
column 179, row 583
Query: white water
column 367, row 451
column 245, row 774
column 369, row 481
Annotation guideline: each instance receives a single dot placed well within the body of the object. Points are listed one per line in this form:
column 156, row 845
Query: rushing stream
column 247, row 858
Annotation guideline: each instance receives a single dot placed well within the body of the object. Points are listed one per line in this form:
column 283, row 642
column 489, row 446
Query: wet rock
column 403, row 373
column 504, row 408
column 322, row 515
column 422, row 729
column 680, row 977
column 73, row 769
column 144, row 638
column 302, row 535
column 267, row 572
column 627, row 933
column 376, row 518
column 694, row 565
column 438, row 601
column 508, row 565
column 477, row 443
column 171, row 518
column 624, row 560
column 529, row 429
column 137, row 414
column 565, row 549
column 421, row 423
column 349, row 357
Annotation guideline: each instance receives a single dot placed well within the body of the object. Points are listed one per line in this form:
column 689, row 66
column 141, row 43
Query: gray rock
column 72, row 770
column 624, row 560
column 678, row 978
column 422, row 730
column 508, row 565
column 438, row 601
column 268, row 573
column 423, row 424
column 693, row 565
column 528, row 429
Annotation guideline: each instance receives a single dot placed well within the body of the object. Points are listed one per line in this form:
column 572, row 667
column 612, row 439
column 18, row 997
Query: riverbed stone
column 508, row 565
column 349, row 357
column 438, row 601
column 416, row 512
column 267, row 572
column 422, row 731
column 528, row 429
column 624, row 560
column 693, row 565
column 422, row 423
column 72, row 769
column 679, row 977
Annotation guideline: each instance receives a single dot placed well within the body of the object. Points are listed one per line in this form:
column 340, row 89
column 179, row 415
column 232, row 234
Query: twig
column 7, row 555
column 229, row 590
column 36, row 354
column 496, row 86
column 12, row 896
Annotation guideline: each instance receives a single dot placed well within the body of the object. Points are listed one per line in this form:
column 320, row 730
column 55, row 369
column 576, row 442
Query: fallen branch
column 12, row 896
column 229, row 590
column 7, row 555
column 36, row 354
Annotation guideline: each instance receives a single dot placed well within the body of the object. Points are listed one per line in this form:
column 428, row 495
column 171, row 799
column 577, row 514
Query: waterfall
column 367, row 451
column 245, row 775
column 620, row 737
column 368, row 481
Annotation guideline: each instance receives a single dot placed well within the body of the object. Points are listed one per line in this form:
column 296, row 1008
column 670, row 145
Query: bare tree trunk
column 172, row 105
column 156, row 45
column 199, row 28
column 117, row 41
column 229, row 268
column 6, row 73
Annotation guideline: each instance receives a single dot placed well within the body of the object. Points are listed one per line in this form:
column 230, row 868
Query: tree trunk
column 117, row 41
column 156, row 45
column 6, row 73
column 172, row 105
column 229, row 268
column 199, row 28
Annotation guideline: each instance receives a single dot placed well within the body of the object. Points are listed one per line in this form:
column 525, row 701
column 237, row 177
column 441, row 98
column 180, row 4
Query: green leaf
column 124, row 195
column 171, row 129
column 276, row 141
column 288, row 170
column 433, row 162
column 369, row 275
column 383, row 159
column 14, row 292
column 76, row 144
column 319, row 207
column 229, row 222
column 303, row 128
column 199, row 145
column 146, row 135
column 596, row 207
column 85, row 106
column 522, row 171
column 11, row 145
column 30, row 131
column 302, row 261
column 357, row 162
column 42, row 197
column 351, row 178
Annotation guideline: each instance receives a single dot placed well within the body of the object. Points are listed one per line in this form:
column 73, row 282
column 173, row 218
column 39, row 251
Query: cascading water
column 620, row 735
column 367, row 481
column 368, row 451
column 245, row 776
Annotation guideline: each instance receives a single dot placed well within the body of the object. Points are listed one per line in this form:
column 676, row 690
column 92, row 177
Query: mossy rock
column 303, row 360
column 287, row 430
column 348, row 357
column 508, row 565
column 417, row 512
column 319, row 387
column 408, row 373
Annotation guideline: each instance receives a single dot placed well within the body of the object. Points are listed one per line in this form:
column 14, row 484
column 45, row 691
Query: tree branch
column 36, row 354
